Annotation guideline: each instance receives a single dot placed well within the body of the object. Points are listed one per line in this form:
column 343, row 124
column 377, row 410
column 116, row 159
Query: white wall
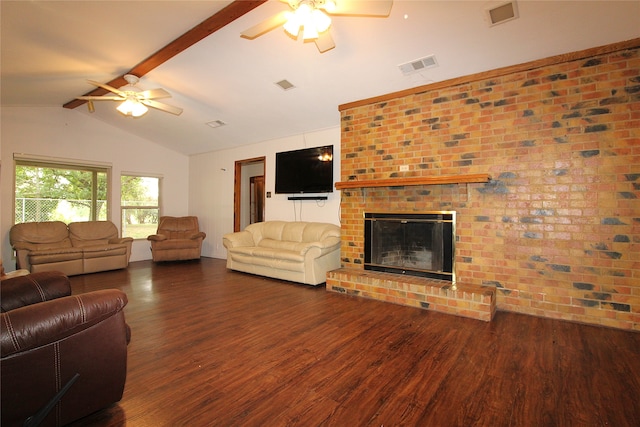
column 211, row 187
column 62, row 133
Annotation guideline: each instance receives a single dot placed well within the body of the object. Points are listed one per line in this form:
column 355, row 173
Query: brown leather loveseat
column 50, row 339
column 80, row 247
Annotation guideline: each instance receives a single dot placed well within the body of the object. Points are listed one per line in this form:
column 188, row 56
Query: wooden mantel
column 421, row 180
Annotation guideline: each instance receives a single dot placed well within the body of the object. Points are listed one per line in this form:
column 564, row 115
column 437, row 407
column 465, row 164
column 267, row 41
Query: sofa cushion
column 270, row 262
column 40, row 235
column 294, row 232
column 317, row 232
column 163, row 245
column 283, row 245
column 269, row 253
column 178, row 227
column 64, row 243
column 100, row 251
column 266, row 230
column 92, row 233
column 48, row 256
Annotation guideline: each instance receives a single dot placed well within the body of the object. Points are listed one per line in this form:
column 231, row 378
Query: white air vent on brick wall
column 502, row 12
column 418, row 65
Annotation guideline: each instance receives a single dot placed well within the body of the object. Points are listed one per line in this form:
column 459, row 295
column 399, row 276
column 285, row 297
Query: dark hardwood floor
column 211, row 347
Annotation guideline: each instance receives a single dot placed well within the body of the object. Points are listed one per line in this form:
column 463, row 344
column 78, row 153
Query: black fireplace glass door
column 413, row 244
column 407, row 245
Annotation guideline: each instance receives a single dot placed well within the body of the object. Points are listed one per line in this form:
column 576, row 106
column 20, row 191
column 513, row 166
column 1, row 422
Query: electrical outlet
column 404, row 168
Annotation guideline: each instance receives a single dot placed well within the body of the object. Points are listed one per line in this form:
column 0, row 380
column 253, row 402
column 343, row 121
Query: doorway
column 256, row 199
column 249, row 194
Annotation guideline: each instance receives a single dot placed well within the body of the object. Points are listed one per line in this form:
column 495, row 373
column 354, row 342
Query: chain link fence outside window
column 37, row 210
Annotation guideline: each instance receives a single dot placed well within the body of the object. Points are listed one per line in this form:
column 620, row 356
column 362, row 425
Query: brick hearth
column 477, row 302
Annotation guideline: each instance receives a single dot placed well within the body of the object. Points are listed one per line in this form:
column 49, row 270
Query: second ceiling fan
column 135, row 100
column 311, row 19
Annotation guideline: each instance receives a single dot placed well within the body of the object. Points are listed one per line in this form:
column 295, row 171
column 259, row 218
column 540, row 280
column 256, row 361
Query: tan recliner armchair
column 177, row 238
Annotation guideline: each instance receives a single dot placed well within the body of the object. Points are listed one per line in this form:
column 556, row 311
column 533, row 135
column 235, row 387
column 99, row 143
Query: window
column 52, row 191
column 140, row 205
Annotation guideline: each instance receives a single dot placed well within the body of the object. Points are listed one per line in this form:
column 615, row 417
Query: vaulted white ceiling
column 50, row 48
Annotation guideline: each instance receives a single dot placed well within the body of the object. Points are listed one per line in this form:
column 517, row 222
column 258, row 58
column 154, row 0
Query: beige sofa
column 301, row 252
column 80, row 247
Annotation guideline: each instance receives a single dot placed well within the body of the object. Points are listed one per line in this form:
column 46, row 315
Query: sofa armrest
column 23, row 246
column 33, row 288
column 120, row 240
column 238, row 239
column 157, row 237
column 37, row 325
column 128, row 241
column 329, row 242
column 322, row 247
column 22, row 250
column 199, row 235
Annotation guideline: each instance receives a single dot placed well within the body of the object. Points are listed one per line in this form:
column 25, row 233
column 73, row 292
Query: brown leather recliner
column 50, row 339
column 177, row 238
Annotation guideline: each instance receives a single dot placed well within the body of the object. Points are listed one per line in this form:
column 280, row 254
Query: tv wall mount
column 307, row 198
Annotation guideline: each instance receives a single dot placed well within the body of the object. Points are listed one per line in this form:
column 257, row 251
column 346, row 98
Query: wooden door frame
column 237, row 187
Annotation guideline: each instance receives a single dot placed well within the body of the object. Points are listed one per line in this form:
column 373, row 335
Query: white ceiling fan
column 310, row 19
column 135, row 100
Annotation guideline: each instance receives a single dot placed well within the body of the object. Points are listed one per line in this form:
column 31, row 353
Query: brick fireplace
column 426, row 289
column 551, row 227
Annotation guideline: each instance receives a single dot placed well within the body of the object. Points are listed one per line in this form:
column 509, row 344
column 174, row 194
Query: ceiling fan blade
column 324, row 42
column 265, row 26
column 109, row 88
column 154, row 94
column 363, row 8
column 101, row 98
column 161, row 106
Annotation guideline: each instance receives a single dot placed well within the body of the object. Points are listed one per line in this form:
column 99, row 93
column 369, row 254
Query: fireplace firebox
column 416, row 244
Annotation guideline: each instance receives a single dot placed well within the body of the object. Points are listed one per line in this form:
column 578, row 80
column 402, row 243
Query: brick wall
column 557, row 229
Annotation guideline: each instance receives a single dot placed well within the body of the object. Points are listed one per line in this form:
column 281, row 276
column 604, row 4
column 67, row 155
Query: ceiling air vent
column 502, row 12
column 418, row 65
column 285, row 84
column 216, row 123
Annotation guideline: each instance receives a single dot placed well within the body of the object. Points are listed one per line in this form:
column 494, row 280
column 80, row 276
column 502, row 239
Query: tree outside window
column 140, row 205
column 58, row 192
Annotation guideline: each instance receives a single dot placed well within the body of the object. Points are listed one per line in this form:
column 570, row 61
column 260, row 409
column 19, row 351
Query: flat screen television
column 309, row 170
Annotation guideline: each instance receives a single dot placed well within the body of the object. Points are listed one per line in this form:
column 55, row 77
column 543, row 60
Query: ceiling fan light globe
column 321, row 20
column 125, row 107
column 303, row 12
column 330, row 6
column 139, row 110
column 132, row 108
column 292, row 26
column 310, row 32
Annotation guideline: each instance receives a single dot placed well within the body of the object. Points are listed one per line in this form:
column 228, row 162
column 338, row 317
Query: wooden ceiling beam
column 225, row 16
